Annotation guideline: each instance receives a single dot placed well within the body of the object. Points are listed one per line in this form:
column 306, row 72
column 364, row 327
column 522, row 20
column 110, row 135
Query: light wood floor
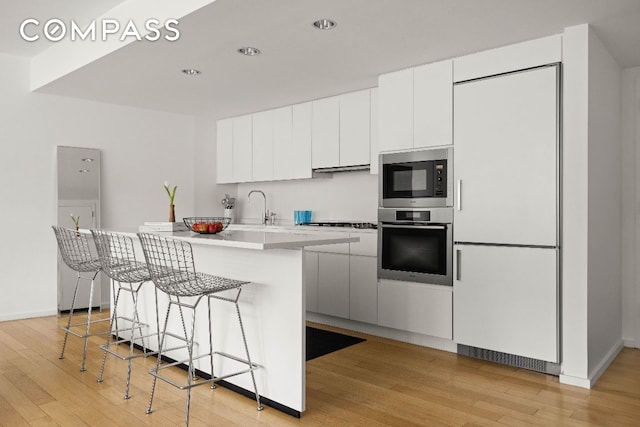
column 375, row 383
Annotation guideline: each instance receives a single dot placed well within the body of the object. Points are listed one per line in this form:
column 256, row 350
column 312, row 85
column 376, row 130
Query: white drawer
column 337, row 248
column 367, row 246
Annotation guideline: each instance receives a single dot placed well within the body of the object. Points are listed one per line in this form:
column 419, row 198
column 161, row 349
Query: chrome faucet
column 265, row 214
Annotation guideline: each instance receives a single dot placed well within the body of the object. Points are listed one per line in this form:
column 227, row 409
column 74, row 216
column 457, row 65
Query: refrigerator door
column 506, row 300
column 506, row 159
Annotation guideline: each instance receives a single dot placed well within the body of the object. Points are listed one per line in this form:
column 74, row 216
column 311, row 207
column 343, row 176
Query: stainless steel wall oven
column 416, row 245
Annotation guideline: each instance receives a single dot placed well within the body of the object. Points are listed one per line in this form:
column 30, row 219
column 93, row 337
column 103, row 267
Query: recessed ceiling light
column 191, row 71
column 324, row 24
column 87, row 159
column 249, row 51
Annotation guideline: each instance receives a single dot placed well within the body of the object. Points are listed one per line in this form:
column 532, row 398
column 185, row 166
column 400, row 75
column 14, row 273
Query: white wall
column 140, row 149
column 575, row 213
column 348, row 196
column 592, row 208
column 605, row 203
column 630, row 197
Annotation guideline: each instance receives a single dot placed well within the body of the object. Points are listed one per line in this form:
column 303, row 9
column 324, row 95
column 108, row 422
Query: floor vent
column 510, row 359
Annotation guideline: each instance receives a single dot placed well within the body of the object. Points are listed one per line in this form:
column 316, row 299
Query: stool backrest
column 74, row 248
column 116, row 252
column 170, row 261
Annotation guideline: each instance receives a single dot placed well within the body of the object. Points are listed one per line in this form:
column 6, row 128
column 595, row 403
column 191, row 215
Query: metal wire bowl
column 207, row 224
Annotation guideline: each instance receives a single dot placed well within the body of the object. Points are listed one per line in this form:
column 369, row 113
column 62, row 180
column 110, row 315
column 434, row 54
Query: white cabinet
column 302, row 138
column 363, row 289
column 355, row 123
column 333, row 284
column 311, row 280
column 263, row 145
column 373, row 132
column 242, row 148
column 283, row 155
column 325, row 133
column 433, row 104
column 506, row 300
column 224, row 151
column 415, row 107
column 506, row 159
column 416, row 307
column 395, row 106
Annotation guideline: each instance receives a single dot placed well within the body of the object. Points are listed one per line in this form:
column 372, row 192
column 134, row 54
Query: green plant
column 75, row 220
column 170, row 193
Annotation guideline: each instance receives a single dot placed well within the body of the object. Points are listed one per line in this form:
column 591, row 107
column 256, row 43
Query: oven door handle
column 413, row 225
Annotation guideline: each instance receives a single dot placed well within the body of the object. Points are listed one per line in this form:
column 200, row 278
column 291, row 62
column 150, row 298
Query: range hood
column 341, row 169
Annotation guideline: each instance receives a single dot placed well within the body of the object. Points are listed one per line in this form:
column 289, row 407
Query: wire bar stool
column 172, row 269
column 118, row 260
column 76, row 253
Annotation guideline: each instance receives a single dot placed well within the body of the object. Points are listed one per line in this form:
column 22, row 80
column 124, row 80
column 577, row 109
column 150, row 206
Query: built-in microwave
column 416, row 178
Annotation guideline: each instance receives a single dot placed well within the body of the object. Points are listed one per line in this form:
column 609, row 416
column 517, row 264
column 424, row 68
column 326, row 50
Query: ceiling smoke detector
column 191, row 71
column 249, row 51
column 325, row 24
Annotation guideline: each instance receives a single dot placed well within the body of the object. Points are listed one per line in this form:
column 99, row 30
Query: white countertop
column 255, row 239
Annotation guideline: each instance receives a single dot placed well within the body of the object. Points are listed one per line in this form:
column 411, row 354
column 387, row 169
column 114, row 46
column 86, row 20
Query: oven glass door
column 408, row 180
column 420, row 253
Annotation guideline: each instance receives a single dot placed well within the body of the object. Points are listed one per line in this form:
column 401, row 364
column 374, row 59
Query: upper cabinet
column 263, row 145
column 325, row 133
column 242, row 148
column 415, row 107
column 224, row 151
column 288, row 142
column 355, row 119
column 373, row 132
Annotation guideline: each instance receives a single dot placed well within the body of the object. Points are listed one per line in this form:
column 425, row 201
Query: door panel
column 506, row 299
column 506, row 159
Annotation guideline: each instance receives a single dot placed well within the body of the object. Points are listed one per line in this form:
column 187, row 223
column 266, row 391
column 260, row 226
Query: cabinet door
column 333, row 284
column 506, row 159
column 224, row 151
column 355, row 123
column 242, row 148
column 363, row 289
column 325, row 136
column 262, row 147
column 506, row 300
column 374, row 149
column 301, row 145
column 415, row 307
column 433, row 104
column 311, row 280
column 395, row 97
column 283, row 154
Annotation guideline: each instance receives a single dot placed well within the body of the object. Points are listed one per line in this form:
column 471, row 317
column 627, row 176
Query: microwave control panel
column 440, row 178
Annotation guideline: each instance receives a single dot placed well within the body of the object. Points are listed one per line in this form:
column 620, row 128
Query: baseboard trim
column 28, row 315
column 630, row 343
column 384, row 332
column 597, row 372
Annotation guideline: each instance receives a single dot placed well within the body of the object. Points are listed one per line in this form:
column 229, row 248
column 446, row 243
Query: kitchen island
column 272, row 306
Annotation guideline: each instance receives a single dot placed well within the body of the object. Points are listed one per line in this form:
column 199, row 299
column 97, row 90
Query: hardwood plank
column 379, row 382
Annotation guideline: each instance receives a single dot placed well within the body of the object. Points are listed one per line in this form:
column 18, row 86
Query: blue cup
column 301, row 217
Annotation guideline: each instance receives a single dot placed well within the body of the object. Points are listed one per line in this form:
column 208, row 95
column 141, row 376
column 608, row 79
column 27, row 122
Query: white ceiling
column 298, row 62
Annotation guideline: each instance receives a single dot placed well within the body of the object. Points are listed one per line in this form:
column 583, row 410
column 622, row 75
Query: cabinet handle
column 458, row 267
column 459, row 194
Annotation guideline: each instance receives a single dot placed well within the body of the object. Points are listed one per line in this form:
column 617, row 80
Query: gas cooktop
column 365, row 225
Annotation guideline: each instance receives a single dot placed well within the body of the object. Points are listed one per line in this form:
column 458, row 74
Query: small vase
column 172, row 213
column 77, row 231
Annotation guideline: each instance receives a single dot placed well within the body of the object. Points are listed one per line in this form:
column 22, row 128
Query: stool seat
column 190, row 284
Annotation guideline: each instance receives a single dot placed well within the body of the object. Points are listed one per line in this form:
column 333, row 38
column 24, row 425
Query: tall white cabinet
column 506, row 213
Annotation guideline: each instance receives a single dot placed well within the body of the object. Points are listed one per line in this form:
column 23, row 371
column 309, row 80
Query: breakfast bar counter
column 272, row 306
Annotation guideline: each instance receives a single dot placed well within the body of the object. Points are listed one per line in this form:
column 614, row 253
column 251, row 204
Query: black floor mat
column 320, row 342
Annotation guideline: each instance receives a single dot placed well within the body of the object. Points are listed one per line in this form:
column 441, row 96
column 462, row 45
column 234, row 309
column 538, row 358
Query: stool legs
column 86, row 324
column 246, row 349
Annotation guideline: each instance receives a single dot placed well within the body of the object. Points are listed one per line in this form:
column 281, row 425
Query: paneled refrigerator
column 507, row 217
